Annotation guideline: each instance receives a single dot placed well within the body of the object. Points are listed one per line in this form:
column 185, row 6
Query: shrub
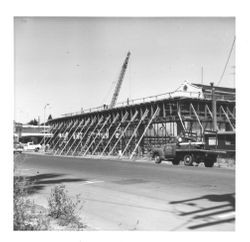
column 26, row 214
column 63, row 208
column 30, row 216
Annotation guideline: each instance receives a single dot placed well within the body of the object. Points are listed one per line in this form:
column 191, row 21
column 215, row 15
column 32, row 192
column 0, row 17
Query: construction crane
column 119, row 82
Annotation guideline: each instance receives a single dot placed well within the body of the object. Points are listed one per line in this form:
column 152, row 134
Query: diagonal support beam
column 73, row 126
column 117, row 128
column 180, row 118
column 91, row 134
column 114, row 120
column 209, row 111
column 228, row 119
column 231, row 114
column 64, row 131
column 86, row 131
column 144, row 132
column 57, row 130
column 134, row 133
column 85, row 124
column 99, row 132
column 50, row 131
column 197, row 117
column 71, row 137
column 124, row 131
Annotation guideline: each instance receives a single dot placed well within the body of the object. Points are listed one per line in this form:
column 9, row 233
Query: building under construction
column 130, row 129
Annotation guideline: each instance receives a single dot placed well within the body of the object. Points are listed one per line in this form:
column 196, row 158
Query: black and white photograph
column 124, row 123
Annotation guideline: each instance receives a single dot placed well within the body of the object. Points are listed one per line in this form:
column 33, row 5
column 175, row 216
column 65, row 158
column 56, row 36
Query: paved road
column 122, row 195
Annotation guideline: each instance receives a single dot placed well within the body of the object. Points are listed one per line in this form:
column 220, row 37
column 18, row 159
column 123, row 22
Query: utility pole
column 214, row 108
column 44, row 124
column 202, row 75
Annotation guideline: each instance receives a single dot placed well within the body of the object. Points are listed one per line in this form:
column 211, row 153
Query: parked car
column 30, row 146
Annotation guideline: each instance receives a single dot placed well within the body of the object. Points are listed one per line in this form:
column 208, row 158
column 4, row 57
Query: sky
column 74, row 63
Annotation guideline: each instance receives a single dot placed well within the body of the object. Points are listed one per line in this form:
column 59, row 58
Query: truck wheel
column 209, row 161
column 175, row 162
column 188, row 160
column 157, row 159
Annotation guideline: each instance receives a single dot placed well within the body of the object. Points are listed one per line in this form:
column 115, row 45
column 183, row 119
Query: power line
column 228, row 58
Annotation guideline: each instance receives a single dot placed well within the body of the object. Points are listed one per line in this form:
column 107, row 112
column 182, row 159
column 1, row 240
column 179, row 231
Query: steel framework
column 132, row 130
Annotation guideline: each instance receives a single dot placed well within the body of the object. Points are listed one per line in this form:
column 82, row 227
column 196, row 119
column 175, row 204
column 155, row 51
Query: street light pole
column 44, row 125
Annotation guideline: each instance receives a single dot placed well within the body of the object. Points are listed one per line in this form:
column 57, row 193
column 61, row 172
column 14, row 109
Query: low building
column 200, row 91
column 26, row 133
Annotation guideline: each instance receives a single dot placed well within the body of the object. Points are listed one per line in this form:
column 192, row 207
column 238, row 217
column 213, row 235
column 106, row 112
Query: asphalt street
column 129, row 195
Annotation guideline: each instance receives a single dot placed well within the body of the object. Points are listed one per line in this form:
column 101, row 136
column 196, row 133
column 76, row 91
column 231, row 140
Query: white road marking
column 225, row 215
column 91, row 182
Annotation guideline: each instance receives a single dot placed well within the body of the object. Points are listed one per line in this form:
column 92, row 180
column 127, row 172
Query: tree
column 50, row 117
column 33, row 122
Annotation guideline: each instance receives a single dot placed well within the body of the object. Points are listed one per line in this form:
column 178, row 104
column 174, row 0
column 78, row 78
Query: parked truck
column 189, row 150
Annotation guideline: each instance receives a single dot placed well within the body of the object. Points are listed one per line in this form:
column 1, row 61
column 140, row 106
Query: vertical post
column 164, row 110
column 214, row 108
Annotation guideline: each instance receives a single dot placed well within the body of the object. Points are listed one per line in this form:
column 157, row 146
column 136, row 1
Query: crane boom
column 119, row 82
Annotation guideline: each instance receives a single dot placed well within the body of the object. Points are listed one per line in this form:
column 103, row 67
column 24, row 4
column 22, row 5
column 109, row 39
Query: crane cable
column 228, row 58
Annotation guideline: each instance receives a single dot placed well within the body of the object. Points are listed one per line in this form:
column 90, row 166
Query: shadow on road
column 34, row 184
column 208, row 216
